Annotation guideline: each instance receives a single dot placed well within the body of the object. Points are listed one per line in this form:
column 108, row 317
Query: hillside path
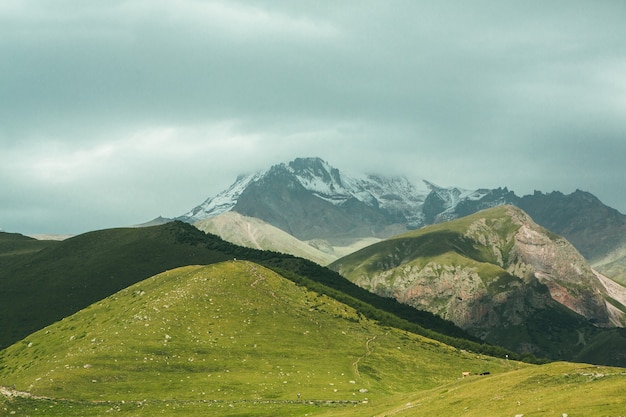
column 368, row 351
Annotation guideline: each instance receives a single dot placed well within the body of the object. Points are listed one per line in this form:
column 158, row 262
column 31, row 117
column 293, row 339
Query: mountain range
column 327, row 208
column 292, row 195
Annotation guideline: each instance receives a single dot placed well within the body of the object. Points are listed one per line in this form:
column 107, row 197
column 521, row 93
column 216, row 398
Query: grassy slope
column 61, row 279
column 231, row 334
column 549, row 390
column 77, row 272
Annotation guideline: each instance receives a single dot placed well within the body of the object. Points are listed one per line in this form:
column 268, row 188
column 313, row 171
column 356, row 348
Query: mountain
column 235, row 338
column 501, row 277
column 311, row 200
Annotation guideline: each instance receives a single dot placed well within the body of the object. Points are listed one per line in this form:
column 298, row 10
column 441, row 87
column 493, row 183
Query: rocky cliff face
column 597, row 231
column 557, row 264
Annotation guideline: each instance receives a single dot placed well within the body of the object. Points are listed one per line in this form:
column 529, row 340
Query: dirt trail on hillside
column 368, row 351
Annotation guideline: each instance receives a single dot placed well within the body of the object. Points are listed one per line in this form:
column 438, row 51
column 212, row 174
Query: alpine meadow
column 254, row 208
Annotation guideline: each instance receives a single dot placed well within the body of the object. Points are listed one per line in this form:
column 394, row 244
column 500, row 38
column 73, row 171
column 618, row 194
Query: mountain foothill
column 306, row 290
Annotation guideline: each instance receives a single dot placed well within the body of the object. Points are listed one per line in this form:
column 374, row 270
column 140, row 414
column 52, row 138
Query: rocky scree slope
column 596, row 230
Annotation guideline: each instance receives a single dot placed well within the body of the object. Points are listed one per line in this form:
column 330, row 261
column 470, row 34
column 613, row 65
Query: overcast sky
column 114, row 112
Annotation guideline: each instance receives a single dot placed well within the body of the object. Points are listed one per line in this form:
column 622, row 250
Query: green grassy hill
column 234, row 335
column 54, row 283
column 46, row 285
column 237, row 339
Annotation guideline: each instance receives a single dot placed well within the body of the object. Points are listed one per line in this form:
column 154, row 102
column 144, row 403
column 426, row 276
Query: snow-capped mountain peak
column 270, row 195
column 317, row 176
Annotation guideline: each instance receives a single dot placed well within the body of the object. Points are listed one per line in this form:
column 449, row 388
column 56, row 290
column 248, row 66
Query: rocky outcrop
column 559, row 266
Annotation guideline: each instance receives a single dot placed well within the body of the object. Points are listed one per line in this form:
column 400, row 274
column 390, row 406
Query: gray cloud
column 113, row 112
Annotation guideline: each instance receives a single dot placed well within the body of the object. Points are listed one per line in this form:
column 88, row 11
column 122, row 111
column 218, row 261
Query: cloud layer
column 114, row 112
